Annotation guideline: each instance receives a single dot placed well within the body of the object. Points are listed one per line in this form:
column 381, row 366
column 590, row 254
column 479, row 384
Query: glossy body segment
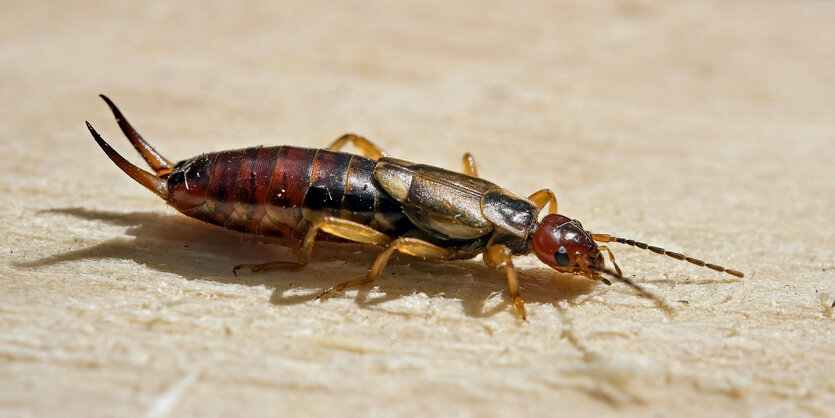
column 288, row 185
column 358, row 204
column 454, row 206
column 271, row 190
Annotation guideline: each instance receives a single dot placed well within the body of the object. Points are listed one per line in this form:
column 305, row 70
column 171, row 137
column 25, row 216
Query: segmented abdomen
column 270, row 190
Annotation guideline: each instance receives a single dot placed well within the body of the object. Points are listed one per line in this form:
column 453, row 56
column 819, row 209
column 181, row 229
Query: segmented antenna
column 659, row 250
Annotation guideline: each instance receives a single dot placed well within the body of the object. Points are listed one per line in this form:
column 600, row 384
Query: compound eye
column 562, row 256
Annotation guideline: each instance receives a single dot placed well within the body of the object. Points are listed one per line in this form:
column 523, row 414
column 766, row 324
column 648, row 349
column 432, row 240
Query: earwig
column 371, row 198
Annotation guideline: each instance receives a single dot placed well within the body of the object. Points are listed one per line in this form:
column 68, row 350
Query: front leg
column 495, row 256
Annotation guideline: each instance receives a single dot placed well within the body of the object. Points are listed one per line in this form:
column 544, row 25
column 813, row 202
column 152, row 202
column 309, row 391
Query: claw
column 252, row 268
column 324, row 293
column 344, row 285
column 520, row 307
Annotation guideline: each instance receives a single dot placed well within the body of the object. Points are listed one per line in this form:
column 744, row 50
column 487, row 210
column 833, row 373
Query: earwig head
column 563, row 244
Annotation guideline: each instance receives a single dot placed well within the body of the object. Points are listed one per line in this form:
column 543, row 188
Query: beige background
column 699, row 126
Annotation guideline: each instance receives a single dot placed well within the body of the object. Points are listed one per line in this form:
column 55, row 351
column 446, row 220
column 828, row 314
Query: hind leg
column 469, row 165
column 365, row 147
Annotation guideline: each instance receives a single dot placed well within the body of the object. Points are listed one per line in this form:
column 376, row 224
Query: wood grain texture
column 700, row 126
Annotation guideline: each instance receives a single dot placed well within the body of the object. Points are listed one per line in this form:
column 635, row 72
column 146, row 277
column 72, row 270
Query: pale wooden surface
column 706, row 127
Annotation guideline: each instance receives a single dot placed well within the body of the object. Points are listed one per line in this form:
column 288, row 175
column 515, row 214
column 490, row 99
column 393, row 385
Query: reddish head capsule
column 562, row 243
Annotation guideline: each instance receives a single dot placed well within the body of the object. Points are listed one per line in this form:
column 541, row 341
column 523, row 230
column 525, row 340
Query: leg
column 469, row 165
column 411, row 246
column 335, row 226
column 612, row 259
column 585, row 271
column 582, row 269
column 365, row 147
column 544, row 197
column 494, row 256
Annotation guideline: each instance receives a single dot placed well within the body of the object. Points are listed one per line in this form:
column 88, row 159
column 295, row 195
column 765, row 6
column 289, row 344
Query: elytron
column 371, row 198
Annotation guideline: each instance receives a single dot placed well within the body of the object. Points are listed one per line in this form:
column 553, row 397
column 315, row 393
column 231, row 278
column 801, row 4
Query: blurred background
column 707, row 126
column 562, row 85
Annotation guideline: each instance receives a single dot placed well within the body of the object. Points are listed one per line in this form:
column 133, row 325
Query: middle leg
column 411, row 246
column 342, row 228
column 545, row 197
column 496, row 255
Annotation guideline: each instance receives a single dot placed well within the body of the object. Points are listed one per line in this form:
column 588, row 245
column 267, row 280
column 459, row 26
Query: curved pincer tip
column 102, row 143
column 159, row 163
column 93, row 131
column 150, row 181
column 112, row 106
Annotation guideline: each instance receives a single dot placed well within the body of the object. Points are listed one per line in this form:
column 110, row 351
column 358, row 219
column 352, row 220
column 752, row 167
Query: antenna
column 659, row 250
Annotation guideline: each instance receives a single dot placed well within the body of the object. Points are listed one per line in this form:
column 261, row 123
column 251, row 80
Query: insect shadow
column 195, row 251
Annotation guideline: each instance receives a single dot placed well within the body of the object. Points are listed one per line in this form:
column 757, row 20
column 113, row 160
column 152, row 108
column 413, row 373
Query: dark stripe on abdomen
column 288, row 185
column 360, row 193
column 244, row 212
column 327, row 182
column 262, row 170
column 244, row 191
column 261, row 166
column 222, row 184
column 269, row 190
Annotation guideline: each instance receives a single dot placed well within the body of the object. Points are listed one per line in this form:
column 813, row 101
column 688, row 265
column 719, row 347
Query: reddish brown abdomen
column 270, row 190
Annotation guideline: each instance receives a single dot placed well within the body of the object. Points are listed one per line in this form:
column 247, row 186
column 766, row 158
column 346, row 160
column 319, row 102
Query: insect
column 371, row 198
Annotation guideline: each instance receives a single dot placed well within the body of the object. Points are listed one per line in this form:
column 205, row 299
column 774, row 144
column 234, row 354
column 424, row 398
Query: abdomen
column 271, row 190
